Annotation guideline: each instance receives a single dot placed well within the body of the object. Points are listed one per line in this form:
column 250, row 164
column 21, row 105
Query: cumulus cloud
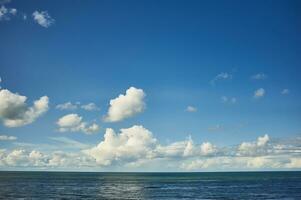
column 42, row 18
column 259, row 93
column 14, row 111
column 259, row 76
column 136, row 143
column 251, row 148
column 221, row 76
column 191, row 109
column 130, row 144
column 207, row 148
column 125, row 106
column 33, row 158
column 7, row 138
column 137, row 148
column 285, row 91
column 73, row 123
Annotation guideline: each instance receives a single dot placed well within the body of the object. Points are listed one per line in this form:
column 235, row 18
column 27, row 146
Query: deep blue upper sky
column 95, row 50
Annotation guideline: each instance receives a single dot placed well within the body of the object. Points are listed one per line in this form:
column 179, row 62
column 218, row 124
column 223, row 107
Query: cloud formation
column 136, row 148
column 74, row 106
column 42, row 18
column 221, row 76
column 7, row 13
column 130, row 144
column 259, row 93
column 231, row 100
column 73, row 123
column 259, row 76
column 14, row 111
column 66, row 106
column 7, row 138
column 191, row 109
column 125, row 106
column 285, row 91
column 251, row 148
column 90, row 107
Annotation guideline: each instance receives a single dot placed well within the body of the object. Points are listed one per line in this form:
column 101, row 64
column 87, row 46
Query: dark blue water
column 69, row 185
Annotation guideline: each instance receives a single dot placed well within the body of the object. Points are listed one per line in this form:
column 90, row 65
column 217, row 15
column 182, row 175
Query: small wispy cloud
column 7, row 138
column 226, row 99
column 259, row 76
column 216, row 127
column 73, row 106
column 66, row 106
column 191, row 109
column 285, row 91
column 90, row 107
column 221, row 76
column 43, row 18
column 70, row 142
column 259, row 93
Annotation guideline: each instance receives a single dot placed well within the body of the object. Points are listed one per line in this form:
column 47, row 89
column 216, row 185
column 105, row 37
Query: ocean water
column 215, row 185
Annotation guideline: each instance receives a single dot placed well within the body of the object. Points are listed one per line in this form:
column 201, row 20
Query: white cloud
column 221, row 76
column 259, row 76
column 285, row 91
column 14, row 112
column 130, row 144
column 74, row 106
column 259, row 93
column 262, row 141
column 136, row 143
column 224, row 163
column 13, row 11
column 176, row 149
column 295, row 162
column 191, row 109
column 125, row 106
column 66, row 106
column 207, row 148
column 7, row 138
column 136, row 148
column 73, row 123
column 90, row 107
column 231, row 100
column 16, row 157
column 70, row 143
column 7, row 13
column 24, row 158
column 3, row 13
column 251, row 148
column 43, row 18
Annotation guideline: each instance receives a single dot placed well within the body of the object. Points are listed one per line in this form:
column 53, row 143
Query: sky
column 150, row 85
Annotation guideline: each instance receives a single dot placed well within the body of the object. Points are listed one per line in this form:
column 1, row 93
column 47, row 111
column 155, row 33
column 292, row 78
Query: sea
column 103, row 185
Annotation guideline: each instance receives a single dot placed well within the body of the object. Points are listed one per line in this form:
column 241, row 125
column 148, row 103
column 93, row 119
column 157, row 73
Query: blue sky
column 209, row 55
